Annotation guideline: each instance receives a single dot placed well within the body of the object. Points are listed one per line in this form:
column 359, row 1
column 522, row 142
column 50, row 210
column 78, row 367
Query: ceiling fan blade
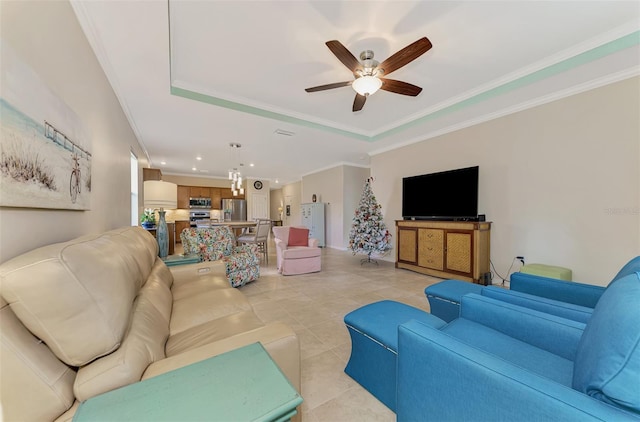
column 328, row 86
column 344, row 55
column 400, row 87
column 405, row 56
column 358, row 102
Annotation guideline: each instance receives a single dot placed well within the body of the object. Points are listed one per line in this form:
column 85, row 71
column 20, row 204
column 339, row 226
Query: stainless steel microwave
column 202, row 203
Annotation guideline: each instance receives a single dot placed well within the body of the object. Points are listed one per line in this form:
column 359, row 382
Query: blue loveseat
column 501, row 361
column 558, row 297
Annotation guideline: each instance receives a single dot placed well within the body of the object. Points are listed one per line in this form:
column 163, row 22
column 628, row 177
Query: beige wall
column 327, row 186
column 354, row 179
column 46, row 36
column 560, row 182
column 276, row 201
column 196, row 181
column 340, row 189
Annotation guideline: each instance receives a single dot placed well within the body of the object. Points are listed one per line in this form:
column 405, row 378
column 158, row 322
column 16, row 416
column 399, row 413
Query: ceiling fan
column 369, row 73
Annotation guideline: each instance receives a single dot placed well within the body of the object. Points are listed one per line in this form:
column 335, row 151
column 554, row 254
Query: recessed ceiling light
column 193, row 168
column 164, row 163
column 277, row 181
column 198, row 158
column 251, row 165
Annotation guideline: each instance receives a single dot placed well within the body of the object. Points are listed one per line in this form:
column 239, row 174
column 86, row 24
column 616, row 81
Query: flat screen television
column 447, row 195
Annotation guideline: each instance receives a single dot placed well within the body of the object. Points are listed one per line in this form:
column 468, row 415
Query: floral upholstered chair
column 217, row 242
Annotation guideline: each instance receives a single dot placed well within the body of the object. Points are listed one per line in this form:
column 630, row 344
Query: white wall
column 46, row 36
column 560, row 182
column 292, row 196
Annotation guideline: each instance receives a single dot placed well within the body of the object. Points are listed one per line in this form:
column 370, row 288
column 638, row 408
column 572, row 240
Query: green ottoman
column 547, row 271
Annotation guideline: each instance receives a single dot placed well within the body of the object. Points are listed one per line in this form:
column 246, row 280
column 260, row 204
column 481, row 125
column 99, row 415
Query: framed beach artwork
column 45, row 152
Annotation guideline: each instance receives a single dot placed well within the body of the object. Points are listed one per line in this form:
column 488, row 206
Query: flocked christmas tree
column 369, row 234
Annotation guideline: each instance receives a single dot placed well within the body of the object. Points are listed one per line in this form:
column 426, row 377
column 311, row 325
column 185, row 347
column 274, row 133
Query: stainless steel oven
column 195, row 216
column 200, row 203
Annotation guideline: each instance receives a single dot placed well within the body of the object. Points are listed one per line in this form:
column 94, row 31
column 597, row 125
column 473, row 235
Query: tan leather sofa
column 84, row 317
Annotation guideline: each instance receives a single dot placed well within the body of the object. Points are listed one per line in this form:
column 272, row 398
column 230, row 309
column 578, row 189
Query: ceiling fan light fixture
column 366, row 85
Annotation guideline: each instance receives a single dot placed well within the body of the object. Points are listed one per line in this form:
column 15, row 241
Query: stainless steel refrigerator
column 234, row 209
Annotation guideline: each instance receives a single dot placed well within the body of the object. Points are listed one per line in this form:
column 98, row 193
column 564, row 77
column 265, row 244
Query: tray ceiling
column 193, row 76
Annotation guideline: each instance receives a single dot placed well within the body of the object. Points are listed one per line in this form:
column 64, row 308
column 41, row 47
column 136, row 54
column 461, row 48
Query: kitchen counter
column 234, row 224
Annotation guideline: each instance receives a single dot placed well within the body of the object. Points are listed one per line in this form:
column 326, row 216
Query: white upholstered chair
column 297, row 253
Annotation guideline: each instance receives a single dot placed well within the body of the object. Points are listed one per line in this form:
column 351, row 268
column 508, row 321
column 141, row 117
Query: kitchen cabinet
column 184, row 192
column 151, row 174
column 445, row 249
column 181, row 225
column 200, row 192
column 225, row 193
column 216, row 194
column 215, row 198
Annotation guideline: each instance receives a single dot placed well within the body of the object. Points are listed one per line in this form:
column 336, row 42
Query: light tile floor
column 314, row 305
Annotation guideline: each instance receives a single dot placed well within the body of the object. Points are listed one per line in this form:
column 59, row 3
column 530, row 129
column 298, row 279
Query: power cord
column 497, row 273
column 519, row 258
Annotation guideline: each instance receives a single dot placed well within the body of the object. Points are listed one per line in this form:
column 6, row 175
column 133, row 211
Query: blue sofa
column 562, row 298
column 501, row 361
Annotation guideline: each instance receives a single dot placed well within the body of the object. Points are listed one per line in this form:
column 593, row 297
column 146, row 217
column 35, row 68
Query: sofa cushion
column 77, row 296
column 143, row 248
column 512, row 350
column 199, row 285
column 212, row 331
column 192, row 311
column 298, row 237
column 143, row 343
column 542, row 304
column 607, row 364
column 34, row 385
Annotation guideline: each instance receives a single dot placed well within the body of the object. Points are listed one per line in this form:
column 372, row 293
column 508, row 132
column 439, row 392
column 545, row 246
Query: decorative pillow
column 298, row 237
column 607, row 364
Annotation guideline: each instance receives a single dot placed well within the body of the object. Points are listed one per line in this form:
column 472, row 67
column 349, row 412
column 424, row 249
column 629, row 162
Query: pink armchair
column 296, row 253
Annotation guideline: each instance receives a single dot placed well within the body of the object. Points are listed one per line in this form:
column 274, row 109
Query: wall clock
column 257, row 184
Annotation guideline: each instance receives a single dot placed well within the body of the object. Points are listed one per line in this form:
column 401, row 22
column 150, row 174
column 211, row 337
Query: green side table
column 173, row 260
column 241, row 385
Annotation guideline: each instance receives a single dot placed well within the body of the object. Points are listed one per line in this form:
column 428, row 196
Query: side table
column 173, row 260
column 241, row 385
